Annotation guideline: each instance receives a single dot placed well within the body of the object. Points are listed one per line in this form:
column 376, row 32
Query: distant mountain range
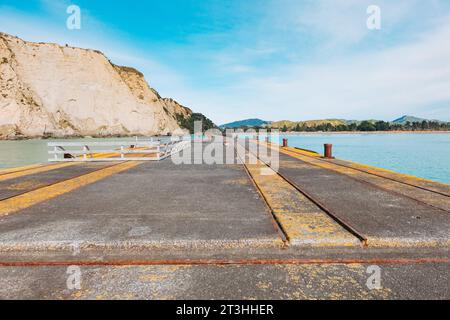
column 313, row 123
column 411, row 119
column 245, row 123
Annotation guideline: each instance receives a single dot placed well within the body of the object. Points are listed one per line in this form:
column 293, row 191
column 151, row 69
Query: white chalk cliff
column 52, row 90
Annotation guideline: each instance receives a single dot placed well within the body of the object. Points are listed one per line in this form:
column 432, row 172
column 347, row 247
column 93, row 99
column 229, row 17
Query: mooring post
column 328, row 151
column 285, row 143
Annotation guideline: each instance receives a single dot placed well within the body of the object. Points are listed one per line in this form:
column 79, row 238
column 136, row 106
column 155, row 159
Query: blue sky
column 271, row 59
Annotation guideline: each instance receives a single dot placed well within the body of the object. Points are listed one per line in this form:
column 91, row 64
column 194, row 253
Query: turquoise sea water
column 422, row 155
column 26, row 152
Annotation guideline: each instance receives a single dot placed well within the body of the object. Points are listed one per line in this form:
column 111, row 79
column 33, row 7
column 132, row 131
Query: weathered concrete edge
column 77, row 246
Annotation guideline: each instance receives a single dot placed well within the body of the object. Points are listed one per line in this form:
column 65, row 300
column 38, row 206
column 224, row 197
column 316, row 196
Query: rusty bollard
column 328, row 153
column 285, row 143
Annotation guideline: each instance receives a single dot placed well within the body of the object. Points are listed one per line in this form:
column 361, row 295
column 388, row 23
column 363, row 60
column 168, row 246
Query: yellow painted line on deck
column 308, row 153
column 372, row 241
column 33, row 169
column 393, row 242
column 360, row 165
column 400, row 177
column 29, row 199
column 301, row 220
column 433, row 199
column 16, row 169
column 384, row 179
column 40, row 169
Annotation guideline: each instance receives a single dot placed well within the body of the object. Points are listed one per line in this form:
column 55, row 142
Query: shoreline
column 362, row 132
column 82, row 138
column 281, row 133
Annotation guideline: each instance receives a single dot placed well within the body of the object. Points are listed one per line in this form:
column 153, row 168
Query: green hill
column 327, row 125
column 245, row 123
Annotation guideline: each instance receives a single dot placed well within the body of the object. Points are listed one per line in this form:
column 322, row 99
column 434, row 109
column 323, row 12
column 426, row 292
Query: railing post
column 85, row 152
column 55, row 149
column 122, row 156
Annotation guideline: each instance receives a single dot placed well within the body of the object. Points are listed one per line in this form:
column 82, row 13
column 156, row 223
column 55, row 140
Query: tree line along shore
column 367, row 126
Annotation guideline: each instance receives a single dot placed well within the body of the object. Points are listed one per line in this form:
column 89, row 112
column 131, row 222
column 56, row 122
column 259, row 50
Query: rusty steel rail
column 342, row 222
column 275, row 222
column 375, row 185
column 388, row 178
column 223, row 262
column 13, row 170
column 345, row 224
column 375, row 174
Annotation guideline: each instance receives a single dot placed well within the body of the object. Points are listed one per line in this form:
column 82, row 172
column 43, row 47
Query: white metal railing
column 137, row 150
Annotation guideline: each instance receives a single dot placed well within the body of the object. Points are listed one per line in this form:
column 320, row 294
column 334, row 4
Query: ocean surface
column 26, row 152
column 422, row 155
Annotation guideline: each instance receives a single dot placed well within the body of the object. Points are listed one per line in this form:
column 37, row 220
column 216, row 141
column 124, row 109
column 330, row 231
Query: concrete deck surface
column 278, row 282
column 379, row 215
column 160, row 230
column 154, row 205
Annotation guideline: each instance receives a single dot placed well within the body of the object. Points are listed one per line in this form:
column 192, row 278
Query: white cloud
column 341, row 22
column 38, row 29
column 387, row 83
column 407, row 74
